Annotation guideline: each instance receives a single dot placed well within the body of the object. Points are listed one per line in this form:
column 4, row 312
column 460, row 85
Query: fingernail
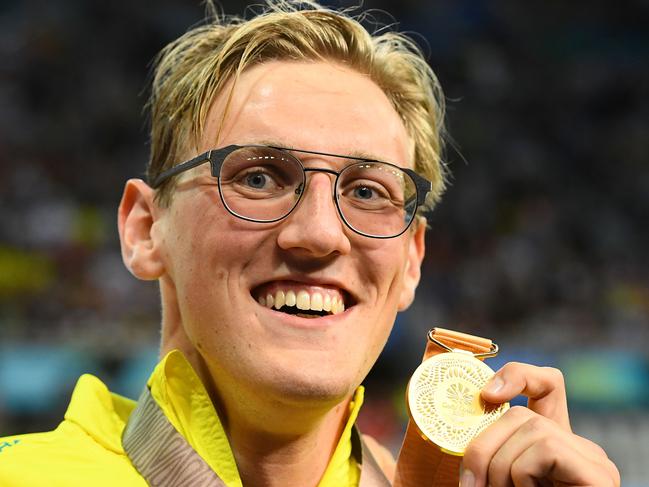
column 467, row 479
column 494, row 385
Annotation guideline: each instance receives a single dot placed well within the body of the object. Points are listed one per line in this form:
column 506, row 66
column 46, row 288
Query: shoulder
column 382, row 455
column 67, row 456
column 85, row 449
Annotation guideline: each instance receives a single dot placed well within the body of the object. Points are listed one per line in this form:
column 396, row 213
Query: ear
column 136, row 217
column 412, row 272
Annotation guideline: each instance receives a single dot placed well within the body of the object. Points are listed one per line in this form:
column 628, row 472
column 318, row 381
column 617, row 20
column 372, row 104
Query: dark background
column 540, row 242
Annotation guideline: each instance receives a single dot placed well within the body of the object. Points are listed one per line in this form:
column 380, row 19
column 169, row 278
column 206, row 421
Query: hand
column 533, row 446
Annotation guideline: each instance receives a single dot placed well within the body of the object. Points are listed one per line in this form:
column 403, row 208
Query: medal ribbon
column 165, row 459
column 159, row 453
column 421, row 463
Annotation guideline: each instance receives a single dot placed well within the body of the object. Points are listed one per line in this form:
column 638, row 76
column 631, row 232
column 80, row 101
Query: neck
column 268, row 458
column 275, row 443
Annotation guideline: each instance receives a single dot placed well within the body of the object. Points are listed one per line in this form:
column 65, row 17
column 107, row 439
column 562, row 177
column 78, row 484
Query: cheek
column 198, row 236
column 385, row 266
column 192, row 250
column 209, row 252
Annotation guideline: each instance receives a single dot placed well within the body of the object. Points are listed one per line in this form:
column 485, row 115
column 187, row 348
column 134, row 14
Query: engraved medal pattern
column 444, row 400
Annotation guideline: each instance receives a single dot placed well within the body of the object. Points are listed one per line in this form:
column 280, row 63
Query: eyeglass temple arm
column 190, row 164
column 424, row 186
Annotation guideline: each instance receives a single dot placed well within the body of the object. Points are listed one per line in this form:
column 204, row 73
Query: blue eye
column 363, row 192
column 256, row 180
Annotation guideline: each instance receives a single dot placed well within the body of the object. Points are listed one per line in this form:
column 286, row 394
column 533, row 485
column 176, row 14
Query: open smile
column 305, row 300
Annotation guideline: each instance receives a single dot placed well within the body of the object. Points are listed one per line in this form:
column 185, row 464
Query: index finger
column 544, row 387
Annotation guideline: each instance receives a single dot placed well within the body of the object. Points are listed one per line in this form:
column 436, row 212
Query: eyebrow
column 353, row 155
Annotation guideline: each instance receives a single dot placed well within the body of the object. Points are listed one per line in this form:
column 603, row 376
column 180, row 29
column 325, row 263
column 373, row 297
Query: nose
column 314, row 228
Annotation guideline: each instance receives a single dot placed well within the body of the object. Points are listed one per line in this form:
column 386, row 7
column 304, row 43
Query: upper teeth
column 303, row 300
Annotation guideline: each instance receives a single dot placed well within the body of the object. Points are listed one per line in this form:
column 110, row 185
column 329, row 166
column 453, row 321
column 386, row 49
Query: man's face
column 217, row 267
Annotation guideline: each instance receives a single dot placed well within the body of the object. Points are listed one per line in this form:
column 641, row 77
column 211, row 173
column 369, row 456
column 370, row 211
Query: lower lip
column 300, row 322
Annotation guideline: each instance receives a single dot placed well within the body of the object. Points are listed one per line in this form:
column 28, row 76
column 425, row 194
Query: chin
column 317, row 388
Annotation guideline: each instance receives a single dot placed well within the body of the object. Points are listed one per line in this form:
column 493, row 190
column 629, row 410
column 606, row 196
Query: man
column 291, row 155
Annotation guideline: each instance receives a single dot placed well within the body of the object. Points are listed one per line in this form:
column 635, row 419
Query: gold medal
column 444, row 399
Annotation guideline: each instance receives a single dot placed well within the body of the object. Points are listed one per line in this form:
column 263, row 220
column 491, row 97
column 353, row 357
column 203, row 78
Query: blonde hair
column 192, row 71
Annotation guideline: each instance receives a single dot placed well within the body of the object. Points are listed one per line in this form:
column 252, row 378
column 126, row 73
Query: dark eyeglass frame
column 216, row 157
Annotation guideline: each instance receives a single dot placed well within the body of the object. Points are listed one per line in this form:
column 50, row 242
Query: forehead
column 318, row 106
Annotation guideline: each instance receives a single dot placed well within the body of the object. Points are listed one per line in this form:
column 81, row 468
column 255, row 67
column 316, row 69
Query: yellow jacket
column 86, row 448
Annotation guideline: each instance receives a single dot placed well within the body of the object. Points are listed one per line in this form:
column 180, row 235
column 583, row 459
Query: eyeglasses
column 264, row 184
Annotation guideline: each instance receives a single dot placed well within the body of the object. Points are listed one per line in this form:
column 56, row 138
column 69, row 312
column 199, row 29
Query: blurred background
column 540, row 243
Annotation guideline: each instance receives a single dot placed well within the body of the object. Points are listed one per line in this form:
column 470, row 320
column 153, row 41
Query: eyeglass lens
column 265, row 184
